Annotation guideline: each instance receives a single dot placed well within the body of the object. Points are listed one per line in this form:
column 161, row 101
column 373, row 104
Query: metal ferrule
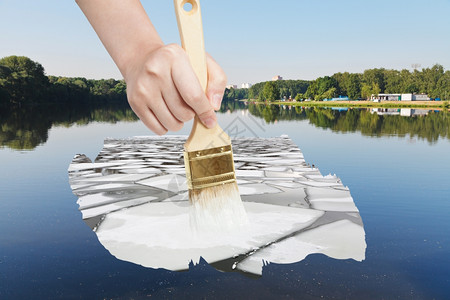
column 209, row 167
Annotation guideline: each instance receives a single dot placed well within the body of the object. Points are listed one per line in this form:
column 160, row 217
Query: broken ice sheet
column 342, row 239
column 135, row 197
column 257, row 188
column 158, row 234
column 171, row 182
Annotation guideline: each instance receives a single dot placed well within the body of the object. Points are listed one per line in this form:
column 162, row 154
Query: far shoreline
column 438, row 105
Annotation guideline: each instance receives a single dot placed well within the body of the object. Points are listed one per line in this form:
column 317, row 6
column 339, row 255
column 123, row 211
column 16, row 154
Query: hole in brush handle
column 189, row 6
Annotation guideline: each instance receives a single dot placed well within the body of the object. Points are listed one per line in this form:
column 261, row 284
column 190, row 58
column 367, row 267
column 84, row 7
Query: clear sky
column 252, row 40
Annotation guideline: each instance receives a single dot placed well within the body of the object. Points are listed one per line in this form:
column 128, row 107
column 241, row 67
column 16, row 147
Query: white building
column 276, row 78
column 385, row 111
column 231, row 86
column 410, row 112
column 400, row 97
column 246, row 85
column 420, row 97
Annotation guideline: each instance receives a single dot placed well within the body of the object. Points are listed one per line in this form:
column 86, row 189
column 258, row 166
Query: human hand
column 164, row 91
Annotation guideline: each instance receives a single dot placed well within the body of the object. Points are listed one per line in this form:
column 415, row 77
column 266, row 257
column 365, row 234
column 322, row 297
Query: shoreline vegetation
column 432, row 105
column 32, row 102
column 26, row 127
column 23, row 82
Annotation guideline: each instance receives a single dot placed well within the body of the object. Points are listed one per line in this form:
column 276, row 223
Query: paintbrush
column 214, row 197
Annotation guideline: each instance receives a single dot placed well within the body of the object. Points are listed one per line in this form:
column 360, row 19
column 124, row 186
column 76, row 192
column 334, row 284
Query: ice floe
column 134, row 196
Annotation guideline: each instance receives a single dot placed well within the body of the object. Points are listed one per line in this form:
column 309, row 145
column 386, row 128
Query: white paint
column 158, row 235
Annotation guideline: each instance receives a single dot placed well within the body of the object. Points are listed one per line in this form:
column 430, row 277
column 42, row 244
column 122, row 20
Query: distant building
column 400, row 97
column 340, row 98
column 386, row 111
column 420, row 97
column 276, row 78
column 246, row 85
column 231, row 86
column 410, row 112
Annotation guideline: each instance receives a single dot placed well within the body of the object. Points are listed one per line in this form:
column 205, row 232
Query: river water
column 395, row 163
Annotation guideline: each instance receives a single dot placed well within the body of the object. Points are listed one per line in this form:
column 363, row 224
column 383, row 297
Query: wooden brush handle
column 191, row 33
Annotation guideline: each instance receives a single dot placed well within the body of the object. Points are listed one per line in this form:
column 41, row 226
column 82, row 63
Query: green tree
column 271, row 91
column 299, row 97
column 120, row 88
column 331, row 93
column 375, row 76
column 368, row 90
column 353, row 86
column 22, row 80
column 393, row 82
column 322, row 87
column 431, row 77
column 442, row 89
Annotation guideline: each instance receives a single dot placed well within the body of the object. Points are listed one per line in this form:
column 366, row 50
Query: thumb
column 217, row 81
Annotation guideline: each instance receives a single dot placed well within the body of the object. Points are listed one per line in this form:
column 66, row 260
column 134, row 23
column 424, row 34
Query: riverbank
column 383, row 104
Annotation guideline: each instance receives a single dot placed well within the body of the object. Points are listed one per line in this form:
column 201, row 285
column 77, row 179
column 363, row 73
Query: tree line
column 434, row 81
column 23, row 81
column 275, row 90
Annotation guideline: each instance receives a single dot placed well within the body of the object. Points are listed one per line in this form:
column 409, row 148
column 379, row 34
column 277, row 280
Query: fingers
column 149, row 105
column 164, row 115
column 189, row 88
column 164, row 91
column 148, row 118
column 217, row 81
column 175, row 103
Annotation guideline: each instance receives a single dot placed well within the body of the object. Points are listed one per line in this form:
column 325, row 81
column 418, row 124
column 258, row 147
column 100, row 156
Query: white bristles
column 217, row 208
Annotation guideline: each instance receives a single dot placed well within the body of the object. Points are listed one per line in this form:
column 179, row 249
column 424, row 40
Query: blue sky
column 252, row 40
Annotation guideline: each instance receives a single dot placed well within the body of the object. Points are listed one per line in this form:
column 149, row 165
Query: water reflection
column 27, row 127
column 135, row 198
column 424, row 124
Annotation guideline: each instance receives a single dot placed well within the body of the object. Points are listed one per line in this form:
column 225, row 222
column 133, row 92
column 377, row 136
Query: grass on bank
column 383, row 104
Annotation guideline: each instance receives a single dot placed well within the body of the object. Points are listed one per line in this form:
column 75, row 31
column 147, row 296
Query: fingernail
column 217, row 100
column 209, row 122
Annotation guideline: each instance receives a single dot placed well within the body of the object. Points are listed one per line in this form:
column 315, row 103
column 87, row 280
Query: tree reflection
column 430, row 126
column 24, row 128
column 231, row 105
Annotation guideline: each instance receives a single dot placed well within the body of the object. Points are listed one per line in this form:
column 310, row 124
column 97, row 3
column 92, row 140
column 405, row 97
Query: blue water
column 400, row 184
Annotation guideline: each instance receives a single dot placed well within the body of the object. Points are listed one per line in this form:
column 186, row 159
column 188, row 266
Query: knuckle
column 171, row 52
column 152, row 68
column 195, row 97
column 173, row 48
column 139, row 91
column 206, row 114
column 222, row 78
column 185, row 115
column 137, row 96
